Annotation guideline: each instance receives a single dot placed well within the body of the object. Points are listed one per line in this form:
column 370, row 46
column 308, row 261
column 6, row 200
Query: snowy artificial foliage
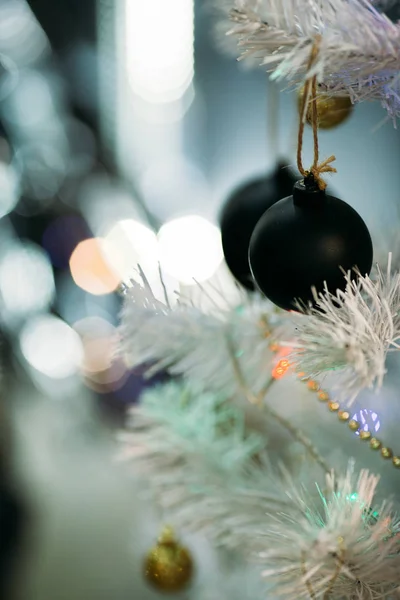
column 358, row 51
column 195, row 450
column 187, row 341
column 351, row 333
column 348, row 547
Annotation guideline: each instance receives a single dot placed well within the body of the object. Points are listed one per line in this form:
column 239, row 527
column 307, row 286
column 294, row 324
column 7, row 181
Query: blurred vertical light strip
column 160, row 48
column 109, row 76
column 146, row 54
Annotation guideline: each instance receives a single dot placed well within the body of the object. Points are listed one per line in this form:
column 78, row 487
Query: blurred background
column 124, row 126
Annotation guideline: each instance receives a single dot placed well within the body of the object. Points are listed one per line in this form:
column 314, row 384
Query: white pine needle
column 194, row 448
column 351, row 332
column 195, row 451
column 359, row 54
column 347, row 548
column 187, row 341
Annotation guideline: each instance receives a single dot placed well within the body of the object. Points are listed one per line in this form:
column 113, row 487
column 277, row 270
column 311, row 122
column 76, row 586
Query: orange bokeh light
column 90, row 269
column 283, row 365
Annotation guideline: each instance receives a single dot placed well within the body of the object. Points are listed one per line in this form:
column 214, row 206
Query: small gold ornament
column 332, row 110
column 168, row 566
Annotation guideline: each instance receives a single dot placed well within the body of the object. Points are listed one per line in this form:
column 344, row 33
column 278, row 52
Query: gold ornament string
column 310, row 97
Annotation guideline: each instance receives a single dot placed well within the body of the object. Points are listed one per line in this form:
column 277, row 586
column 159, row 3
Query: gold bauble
column 332, row 110
column 168, row 566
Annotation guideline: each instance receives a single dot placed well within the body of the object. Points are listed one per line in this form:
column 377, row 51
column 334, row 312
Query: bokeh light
column 51, row 347
column 105, row 201
column 132, row 244
column 368, row 419
column 102, row 369
column 190, row 249
column 21, row 36
column 26, row 281
column 160, row 63
column 9, row 76
column 9, row 189
column 90, row 266
column 32, row 101
column 42, row 169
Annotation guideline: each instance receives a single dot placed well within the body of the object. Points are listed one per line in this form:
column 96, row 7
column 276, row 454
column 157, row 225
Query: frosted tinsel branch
column 348, row 548
column 194, row 448
column 187, row 341
column 210, row 474
column 359, row 53
column 352, row 332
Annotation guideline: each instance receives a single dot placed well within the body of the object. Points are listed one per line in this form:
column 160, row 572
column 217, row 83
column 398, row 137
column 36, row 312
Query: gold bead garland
column 344, row 416
column 375, row 444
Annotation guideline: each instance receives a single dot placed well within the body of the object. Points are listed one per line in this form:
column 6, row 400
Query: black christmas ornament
column 305, row 240
column 241, row 213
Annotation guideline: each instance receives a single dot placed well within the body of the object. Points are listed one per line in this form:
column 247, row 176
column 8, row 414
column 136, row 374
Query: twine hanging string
column 310, row 97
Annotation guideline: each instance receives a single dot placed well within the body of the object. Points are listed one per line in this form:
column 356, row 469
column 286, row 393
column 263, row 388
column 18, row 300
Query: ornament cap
column 167, row 536
column 307, row 193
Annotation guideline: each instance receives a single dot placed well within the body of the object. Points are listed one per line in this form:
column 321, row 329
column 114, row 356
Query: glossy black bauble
column 305, row 240
column 241, row 214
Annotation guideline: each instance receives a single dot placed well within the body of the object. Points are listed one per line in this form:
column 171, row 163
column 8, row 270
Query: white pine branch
column 351, row 332
column 347, row 548
column 187, row 341
column 195, row 451
column 359, row 53
column 194, row 448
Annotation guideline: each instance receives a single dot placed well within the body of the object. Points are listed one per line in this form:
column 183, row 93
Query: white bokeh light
column 21, row 37
column 51, row 347
column 8, row 189
column 26, row 281
column 133, row 243
column 160, row 48
column 9, row 77
column 33, row 103
column 190, row 249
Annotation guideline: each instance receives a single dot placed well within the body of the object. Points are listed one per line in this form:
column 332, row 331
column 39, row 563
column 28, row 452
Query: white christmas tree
column 242, row 444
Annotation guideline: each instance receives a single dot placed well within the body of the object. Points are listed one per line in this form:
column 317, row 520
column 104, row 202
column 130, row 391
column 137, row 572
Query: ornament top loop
column 310, row 90
column 306, row 193
column 317, row 170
